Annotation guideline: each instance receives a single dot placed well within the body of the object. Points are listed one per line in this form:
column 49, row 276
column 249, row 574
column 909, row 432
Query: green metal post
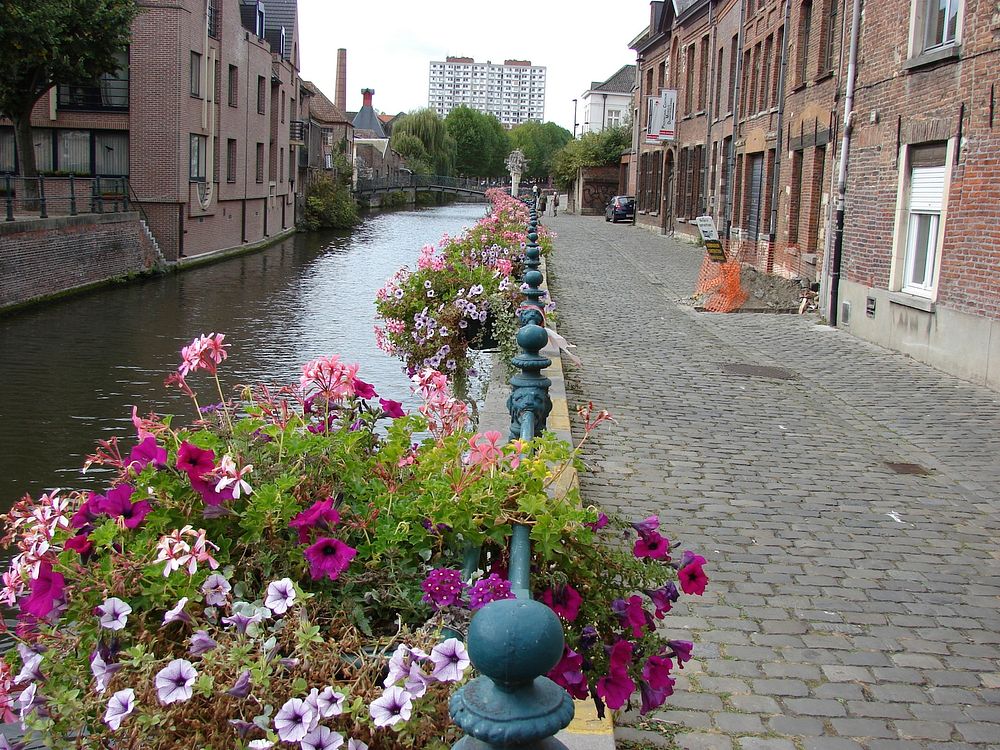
column 72, row 196
column 100, row 196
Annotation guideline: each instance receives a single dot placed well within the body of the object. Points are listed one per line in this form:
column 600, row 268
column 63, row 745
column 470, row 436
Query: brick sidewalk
column 849, row 605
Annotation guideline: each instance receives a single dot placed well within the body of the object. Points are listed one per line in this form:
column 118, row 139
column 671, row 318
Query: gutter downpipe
column 779, row 125
column 845, row 145
column 709, row 106
column 731, row 156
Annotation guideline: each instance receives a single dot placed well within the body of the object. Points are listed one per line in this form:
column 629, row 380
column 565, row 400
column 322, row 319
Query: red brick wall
column 950, row 99
column 41, row 257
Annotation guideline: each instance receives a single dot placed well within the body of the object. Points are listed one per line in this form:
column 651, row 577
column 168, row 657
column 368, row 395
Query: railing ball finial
column 529, row 388
column 513, row 643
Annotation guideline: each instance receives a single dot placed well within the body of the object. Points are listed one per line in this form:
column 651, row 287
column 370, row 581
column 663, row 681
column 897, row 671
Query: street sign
column 654, row 118
column 710, row 236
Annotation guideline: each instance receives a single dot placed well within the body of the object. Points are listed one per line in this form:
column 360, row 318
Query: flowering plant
column 290, row 569
column 461, row 291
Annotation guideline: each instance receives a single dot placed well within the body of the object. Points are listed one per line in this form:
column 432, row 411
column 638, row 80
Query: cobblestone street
column 849, row 605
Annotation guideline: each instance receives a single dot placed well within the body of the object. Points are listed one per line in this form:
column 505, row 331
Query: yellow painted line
column 585, row 720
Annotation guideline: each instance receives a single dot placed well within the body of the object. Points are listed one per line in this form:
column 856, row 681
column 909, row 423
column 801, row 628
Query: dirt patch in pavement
column 769, row 293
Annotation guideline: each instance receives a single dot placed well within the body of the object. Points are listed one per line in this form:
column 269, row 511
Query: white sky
column 391, row 43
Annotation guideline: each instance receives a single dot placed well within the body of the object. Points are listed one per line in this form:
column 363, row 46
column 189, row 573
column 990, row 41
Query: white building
column 607, row 104
column 514, row 91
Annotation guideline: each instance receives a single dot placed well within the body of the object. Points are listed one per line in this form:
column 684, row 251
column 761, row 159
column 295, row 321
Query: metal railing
column 406, row 180
column 297, row 130
column 515, row 642
column 42, row 197
column 110, row 94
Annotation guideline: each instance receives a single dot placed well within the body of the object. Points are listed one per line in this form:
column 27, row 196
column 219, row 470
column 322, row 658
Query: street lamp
column 575, row 123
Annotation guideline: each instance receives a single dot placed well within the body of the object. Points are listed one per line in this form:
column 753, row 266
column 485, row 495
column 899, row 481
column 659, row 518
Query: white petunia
column 120, row 705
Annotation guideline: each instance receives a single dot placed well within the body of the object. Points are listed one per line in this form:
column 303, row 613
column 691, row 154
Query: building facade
column 608, row 104
column 761, row 88
column 920, row 269
column 513, row 92
column 202, row 117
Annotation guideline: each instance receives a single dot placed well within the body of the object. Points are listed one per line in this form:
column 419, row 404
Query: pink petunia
column 565, row 601
column 691, row 576
column 328, row 558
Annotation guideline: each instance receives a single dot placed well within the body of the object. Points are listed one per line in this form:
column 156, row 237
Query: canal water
column 70, row 371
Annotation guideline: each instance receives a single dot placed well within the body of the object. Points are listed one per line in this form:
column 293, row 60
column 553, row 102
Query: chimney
column 367, row 94
column 341, row 93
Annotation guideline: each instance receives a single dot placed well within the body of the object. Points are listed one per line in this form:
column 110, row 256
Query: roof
column 321, row 108
column 366, row 119
column 621, row 82
column 278, row 13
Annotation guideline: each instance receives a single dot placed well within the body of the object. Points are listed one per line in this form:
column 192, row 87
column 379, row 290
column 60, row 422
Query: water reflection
column 70, row 371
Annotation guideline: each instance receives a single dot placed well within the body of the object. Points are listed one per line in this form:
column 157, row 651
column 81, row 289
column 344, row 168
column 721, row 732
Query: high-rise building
column 514, row 91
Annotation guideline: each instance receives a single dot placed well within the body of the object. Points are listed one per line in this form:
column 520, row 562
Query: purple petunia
column 114, row 613
column 391, row 409
column 174, row 681
column 216, row 590
column 120, row 705
column 118, row 504
column 102, row 671
column 145, row 453
column 394, row 706
column 242, row 687
column 321, row 738
column 328, row 558
column 320, row 515
column 201, row 643
column 294, row 720
column 450, row 660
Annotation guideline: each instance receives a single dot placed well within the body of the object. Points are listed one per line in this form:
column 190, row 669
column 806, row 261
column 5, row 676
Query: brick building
column 202, row 117
column 921, row 257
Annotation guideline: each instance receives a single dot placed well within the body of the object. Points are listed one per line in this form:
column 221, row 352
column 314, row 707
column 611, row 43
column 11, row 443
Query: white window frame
column 198, row 145
column 614, row 118
column 918, row 29
column 900, row 269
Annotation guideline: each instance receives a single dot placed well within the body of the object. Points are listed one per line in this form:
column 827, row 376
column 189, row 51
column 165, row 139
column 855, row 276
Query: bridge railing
column 404, row 181
column 515, row 642
column 42, row 197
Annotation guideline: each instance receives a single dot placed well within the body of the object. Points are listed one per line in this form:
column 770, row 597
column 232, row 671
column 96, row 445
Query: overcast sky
column 391, row 43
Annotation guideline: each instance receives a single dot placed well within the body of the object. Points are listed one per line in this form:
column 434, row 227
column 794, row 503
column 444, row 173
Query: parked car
column 620, row 207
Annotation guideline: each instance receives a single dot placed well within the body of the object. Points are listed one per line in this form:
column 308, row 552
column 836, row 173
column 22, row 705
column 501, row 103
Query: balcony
column 110, row 94
column 297, row 130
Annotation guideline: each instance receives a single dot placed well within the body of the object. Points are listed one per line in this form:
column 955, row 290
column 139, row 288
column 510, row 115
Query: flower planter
column 480, row 335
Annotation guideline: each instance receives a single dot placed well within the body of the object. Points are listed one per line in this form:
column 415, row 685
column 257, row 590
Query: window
column 765, row 75
column 805, row 27
column 74, row 151
column 829, row 37
column 925, row 199
column 231, row 160
column 261, row 94
column 718, row 82
column 43, row 139
column 6, row 150
column 213, row 18
column 795, row 198
column 754, row 100
column 733, row 53
column 234, row 86
column 199, row 144
column 940, row 23
column 703, row 76
column 281, row 112
column 614, row 118
column 776, row 68
column 195, row 74
column 281, row 164
column 260, row 20
column 260, row 162
column 111, row 154
column 689, row 81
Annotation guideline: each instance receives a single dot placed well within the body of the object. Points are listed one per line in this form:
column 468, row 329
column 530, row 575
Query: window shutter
column 926, row 189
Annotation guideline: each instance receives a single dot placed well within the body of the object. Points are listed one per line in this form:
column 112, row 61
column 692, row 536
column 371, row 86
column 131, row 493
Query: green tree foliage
column 329, row 205
column 50, row 42
column 412, row 150
column 429, row 128
column 539, row 142
column 592, row 150
column 482, row 143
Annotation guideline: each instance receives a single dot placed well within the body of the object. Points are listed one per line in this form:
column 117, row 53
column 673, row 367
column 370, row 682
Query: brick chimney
column 341, row 93
column 367, row 94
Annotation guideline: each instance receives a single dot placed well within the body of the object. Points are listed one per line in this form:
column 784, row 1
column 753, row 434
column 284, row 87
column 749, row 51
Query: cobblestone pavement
column 849, row 605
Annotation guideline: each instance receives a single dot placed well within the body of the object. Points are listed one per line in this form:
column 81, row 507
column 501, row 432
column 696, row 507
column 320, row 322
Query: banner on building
column 668, row 114
column 654, row 118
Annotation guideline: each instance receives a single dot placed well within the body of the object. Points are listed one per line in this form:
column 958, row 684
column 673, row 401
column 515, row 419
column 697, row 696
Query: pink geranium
column 330, row 378
column 203, row 353
column 486, row 450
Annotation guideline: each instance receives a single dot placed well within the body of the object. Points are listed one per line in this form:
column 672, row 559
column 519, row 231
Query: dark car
column 620, row 207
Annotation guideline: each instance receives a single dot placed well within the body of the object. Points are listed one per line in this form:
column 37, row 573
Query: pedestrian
column 555, row 204
column 542, row 203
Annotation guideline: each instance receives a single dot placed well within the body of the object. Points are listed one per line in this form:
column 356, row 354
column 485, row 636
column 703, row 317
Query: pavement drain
column 905, row 468
column 758, row 371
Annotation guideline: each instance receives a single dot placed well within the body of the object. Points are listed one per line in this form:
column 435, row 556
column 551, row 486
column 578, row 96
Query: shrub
column 329, row 205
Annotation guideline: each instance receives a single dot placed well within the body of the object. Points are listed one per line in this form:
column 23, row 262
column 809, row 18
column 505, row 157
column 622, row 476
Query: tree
column 592, row 150
column 427, row 126
column 481, row 142
column 52, row 42
column 413, row 152
column 539, row 142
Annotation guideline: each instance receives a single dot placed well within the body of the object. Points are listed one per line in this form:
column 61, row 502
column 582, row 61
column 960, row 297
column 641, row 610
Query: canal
column 71, row 370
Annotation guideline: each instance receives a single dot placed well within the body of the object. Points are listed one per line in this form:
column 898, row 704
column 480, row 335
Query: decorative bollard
column 9, row 190
column 513, row 643
column 72, row 196
column 529, row 395
column 42, row 209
